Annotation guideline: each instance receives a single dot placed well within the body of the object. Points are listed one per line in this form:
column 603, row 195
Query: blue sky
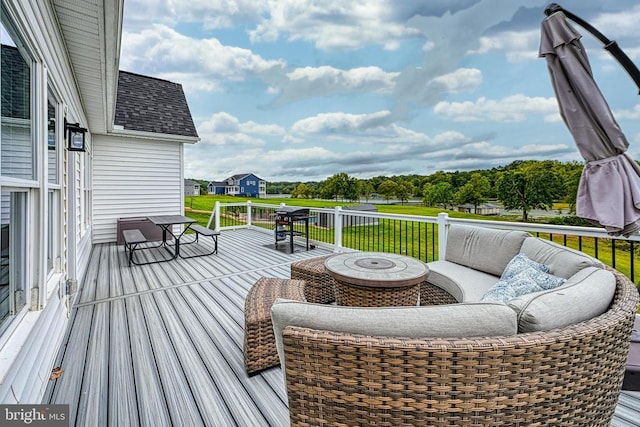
column 298, row 90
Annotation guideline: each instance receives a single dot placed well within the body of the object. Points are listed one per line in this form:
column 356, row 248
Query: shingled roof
column 148, row 104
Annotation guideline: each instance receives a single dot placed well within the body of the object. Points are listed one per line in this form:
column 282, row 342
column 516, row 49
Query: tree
column 303, row 191
column 342, row 185
column 351, row 188
column 404, row 191
column 427, row 194
column 475, row 191
column 529, row 187
column 387, row 189
column 572, row 181
column 366, row 189
column 441, row 194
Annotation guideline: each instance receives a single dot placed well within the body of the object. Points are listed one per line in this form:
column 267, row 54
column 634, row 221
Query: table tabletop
column 170, row 219
column 377, row 269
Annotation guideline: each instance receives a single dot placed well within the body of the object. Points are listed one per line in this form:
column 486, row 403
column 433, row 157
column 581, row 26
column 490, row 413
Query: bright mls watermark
column 34, row 415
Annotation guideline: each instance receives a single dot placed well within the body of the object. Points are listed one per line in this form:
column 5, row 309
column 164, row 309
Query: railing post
column 443, row 230
column 337, row 229
column 217, row 216
column 249, row 213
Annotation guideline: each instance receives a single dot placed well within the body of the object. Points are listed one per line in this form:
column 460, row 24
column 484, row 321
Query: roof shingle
column 149, row 104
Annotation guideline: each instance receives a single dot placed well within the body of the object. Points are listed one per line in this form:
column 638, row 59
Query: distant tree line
column 521, row 185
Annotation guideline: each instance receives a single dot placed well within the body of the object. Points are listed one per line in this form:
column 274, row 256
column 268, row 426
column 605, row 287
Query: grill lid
column 292, row 211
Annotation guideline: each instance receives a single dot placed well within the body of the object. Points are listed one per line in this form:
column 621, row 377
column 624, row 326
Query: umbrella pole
column 609, row 45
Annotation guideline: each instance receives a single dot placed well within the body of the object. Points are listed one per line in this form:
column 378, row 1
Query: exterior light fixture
column 75, row 136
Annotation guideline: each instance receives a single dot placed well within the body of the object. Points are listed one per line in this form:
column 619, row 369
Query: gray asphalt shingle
column 149, row 104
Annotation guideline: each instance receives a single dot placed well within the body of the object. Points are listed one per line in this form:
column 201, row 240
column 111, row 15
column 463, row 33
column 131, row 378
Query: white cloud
column 310, row 82
column 210, row 13
column 460, row 80
column 513, row 108
column 633, row 114
column 517, row 45
column 223, row 129
column 341, row 123
column 619, row 24
column 199, row 64
column 334, row 24
column 363, row 78
column 373, row 128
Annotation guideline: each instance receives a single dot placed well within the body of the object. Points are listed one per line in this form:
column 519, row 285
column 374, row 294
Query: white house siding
column 30, row 343
column 133, row 177
column 43, row 331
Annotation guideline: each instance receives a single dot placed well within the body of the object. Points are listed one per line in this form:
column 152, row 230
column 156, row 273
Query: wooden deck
column 161, row 344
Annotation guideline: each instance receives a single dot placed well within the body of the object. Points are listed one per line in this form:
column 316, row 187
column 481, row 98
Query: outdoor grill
column 286, row 217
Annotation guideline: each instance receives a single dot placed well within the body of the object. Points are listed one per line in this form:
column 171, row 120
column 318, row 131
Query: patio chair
column 564, row 376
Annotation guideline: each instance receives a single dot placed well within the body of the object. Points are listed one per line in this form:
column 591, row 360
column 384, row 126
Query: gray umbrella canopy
column 609, row 190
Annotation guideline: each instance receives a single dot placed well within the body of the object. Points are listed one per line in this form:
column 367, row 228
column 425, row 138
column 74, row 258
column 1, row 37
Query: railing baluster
column 404, row 234
column 613, row 253
column 433, row 242
column 632, row 255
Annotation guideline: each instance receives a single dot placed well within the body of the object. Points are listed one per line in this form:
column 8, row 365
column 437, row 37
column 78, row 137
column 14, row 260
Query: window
column 53, row 145
column 18, row 170
column 13, row 265
column 54, row 216
column 18, row 149
column 85, row 192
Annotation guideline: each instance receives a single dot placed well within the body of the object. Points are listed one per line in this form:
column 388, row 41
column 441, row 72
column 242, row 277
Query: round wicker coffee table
column 376, row 279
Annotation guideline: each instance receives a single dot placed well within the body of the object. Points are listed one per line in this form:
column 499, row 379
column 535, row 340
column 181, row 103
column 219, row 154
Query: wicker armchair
column 567, row 376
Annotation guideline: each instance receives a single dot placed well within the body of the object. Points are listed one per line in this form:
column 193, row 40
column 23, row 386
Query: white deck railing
column 423, row 237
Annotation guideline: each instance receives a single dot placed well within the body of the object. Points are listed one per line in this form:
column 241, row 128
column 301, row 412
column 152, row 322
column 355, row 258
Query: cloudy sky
column 301, row 89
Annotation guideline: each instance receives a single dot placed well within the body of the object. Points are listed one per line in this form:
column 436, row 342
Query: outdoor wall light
column 75, row 136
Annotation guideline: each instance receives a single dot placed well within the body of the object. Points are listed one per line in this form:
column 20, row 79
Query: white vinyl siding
column 38, row 342
column 30, row 342
column 133, row 177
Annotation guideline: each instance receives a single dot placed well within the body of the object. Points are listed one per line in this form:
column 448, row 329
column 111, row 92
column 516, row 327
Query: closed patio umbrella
column 609, row 189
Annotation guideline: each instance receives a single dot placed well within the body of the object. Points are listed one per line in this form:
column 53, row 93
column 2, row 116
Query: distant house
column 244, row 184
column 191, row 188
column 482, row 209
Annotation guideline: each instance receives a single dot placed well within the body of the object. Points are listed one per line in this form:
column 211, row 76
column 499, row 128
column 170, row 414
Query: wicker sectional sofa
column 554, row 357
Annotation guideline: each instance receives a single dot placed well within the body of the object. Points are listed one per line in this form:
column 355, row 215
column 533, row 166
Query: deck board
column 161, row 344
column 93, row 399
column 150, row 397
column 122, row 397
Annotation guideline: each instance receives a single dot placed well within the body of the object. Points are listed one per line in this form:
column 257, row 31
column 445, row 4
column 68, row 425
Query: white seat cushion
column 464, row 283
column 450, row 320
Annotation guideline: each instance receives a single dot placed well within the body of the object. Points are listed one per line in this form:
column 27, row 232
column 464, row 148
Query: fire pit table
column 375, row 279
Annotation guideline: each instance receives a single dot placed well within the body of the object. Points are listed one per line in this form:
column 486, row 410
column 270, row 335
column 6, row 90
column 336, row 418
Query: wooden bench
column 132, row 238
column 205, row 231
column 260, row 350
